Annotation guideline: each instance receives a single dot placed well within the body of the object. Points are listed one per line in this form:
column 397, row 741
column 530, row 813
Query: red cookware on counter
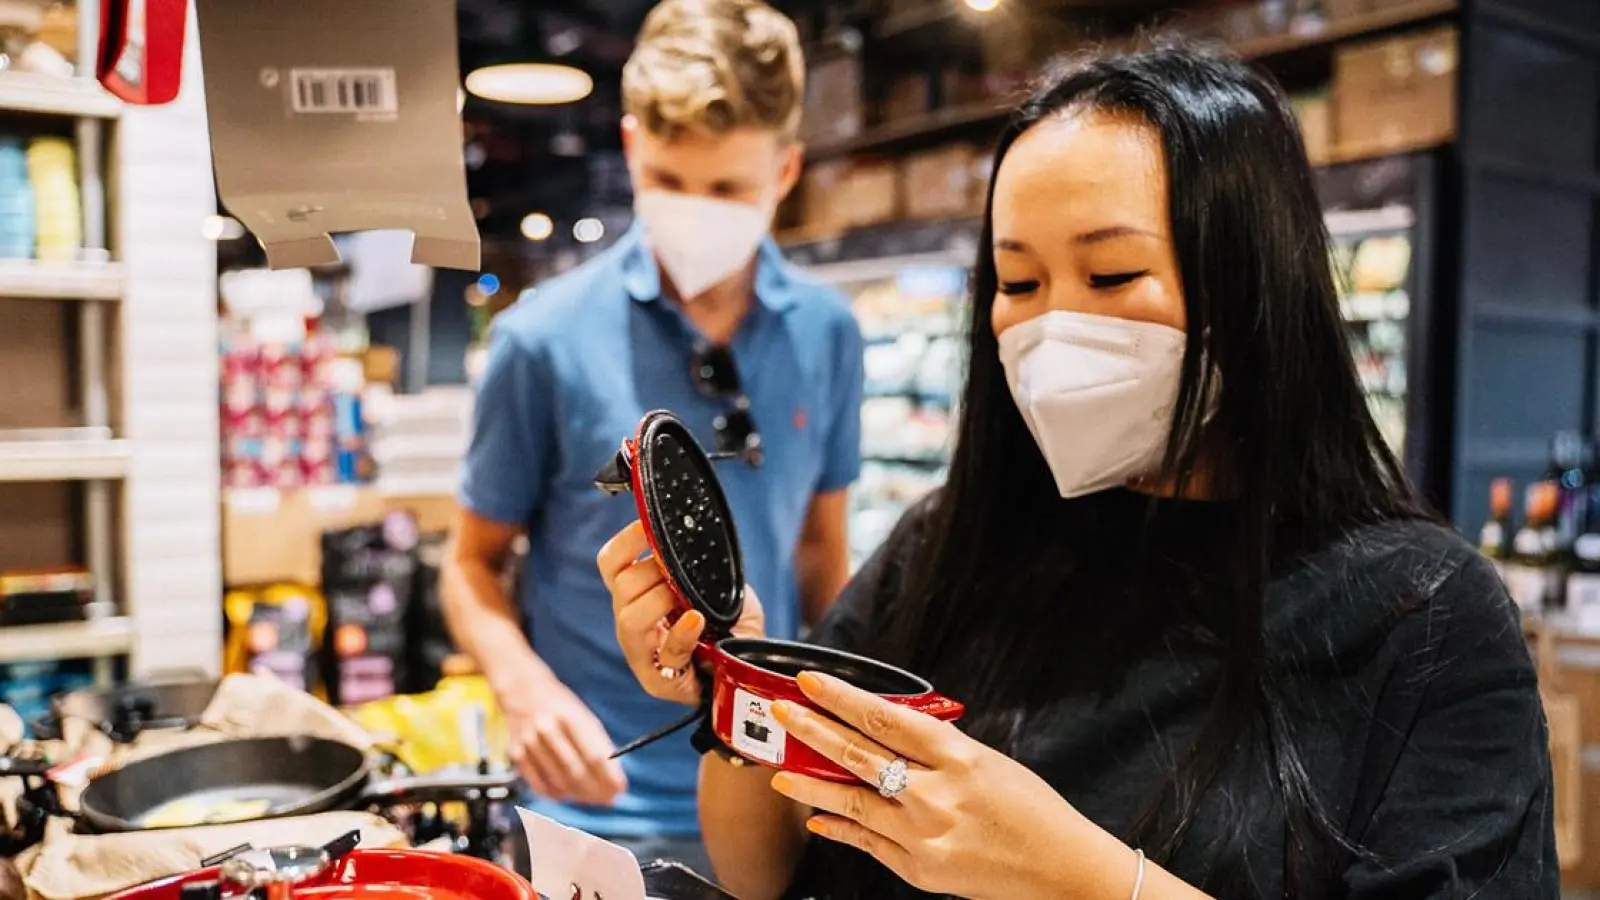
column 340, row 872
column 691, row 532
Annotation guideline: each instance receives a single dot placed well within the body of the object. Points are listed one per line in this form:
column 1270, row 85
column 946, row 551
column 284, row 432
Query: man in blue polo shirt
column 693, row 311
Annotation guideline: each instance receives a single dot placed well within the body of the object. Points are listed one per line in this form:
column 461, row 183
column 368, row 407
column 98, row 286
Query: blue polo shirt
column 573, row 366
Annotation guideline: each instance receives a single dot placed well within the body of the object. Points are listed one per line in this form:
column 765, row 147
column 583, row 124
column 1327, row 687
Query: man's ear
column 630, row 127
column 792, row 164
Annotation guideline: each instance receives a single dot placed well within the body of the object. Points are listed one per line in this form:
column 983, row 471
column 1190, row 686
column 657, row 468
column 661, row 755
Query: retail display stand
column 143, row 441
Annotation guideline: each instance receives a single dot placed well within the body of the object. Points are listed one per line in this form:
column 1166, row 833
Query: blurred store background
column 206, row 465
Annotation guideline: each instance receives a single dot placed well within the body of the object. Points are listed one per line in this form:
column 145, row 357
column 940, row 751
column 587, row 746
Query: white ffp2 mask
column 1097, row 393
column 700, row 241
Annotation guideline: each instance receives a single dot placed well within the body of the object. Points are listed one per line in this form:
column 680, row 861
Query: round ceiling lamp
column 537, row 226
column 983, row 5
column 534, row 84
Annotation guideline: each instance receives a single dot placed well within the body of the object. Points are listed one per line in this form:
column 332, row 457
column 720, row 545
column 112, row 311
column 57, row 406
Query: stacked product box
column 286, row 422
column 28, row 687
column 16, row 202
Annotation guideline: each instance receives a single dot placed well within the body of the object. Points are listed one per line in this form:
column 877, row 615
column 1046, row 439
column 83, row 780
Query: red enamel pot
column 303, row 872
column 691, row 532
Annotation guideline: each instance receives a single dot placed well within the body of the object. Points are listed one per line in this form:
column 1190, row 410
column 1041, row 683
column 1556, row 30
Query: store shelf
column 913, row 130
column 45, row 94
column 32, row 279
column 70, row 640
column 66, row 454
column 1414, row 12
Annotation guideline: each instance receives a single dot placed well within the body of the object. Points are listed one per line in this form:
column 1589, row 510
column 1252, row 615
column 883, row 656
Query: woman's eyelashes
column 1016, row 288
column 1107, row 282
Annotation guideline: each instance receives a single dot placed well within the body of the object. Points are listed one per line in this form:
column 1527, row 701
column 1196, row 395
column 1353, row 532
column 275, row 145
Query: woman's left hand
column 970, row 822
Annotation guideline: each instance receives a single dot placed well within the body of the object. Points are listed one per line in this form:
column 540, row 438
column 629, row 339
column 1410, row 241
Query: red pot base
column 750, row 674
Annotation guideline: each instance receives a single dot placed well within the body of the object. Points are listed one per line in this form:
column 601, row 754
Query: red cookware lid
column 686, row 517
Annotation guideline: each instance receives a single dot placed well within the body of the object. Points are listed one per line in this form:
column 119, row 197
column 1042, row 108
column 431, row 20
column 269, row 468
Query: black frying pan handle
column 389, row 792
column 15, row 767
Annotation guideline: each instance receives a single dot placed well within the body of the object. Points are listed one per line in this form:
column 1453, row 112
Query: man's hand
column 557, row 744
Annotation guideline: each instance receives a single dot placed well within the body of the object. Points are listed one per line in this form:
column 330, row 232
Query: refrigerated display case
column 908, row 291
column 1380, row 216
column 908, row 286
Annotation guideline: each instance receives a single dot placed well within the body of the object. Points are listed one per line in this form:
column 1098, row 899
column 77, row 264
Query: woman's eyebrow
column 1099, row 235
column 1113, row 232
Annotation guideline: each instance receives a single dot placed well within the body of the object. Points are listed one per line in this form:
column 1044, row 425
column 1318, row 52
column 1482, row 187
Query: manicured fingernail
column 815, row 826
column 811, row 683
column 783, row 783
column 786, row 712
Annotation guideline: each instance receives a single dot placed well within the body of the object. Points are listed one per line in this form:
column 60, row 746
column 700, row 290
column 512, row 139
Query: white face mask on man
column 1097, row 393
column 701, row 241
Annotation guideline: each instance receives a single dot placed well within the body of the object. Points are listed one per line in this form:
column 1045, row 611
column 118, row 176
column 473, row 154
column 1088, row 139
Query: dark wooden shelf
column 927, row 128
column 931, row 14
column 903, row 133
column 1414, row 12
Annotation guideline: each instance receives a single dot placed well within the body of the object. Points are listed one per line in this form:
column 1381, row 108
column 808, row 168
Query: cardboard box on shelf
column 1396, row 94
column 1315, row 114
column 943, row 183
column 872, row 195
column 307, row 102
column 833, row 104
column 820, row 208
column 270, row 535
column 909, row 95
column 381, row 365
column 844, row 194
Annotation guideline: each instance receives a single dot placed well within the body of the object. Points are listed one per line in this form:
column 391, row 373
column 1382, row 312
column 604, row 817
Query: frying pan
column 299, row 775
column 123, row 712
column 691, row 532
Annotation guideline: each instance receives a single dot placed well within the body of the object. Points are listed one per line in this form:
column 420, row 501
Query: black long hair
column 1269, row 402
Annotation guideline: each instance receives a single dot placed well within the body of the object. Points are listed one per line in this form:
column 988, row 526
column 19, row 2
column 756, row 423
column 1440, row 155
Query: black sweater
column 1412, row 702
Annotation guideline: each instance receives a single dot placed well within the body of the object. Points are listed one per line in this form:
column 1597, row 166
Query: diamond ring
column 893, row 777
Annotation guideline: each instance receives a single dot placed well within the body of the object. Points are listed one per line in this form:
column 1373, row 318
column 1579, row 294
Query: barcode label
column 343, row 91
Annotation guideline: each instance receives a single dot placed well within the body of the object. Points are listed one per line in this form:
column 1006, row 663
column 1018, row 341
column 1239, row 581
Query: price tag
column 254, row 501
column 332, row 499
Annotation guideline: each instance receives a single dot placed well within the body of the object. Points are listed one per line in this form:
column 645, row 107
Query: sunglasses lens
column 736, row 433
column 715, row 374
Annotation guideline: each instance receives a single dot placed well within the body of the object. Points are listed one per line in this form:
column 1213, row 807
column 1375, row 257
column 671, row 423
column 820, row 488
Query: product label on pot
column 756, row 733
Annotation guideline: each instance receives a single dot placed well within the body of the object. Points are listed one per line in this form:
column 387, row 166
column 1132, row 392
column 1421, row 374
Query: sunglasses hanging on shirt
column 717, row 378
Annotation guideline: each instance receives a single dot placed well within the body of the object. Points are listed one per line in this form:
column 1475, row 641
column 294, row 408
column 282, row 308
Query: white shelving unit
column 155, row 566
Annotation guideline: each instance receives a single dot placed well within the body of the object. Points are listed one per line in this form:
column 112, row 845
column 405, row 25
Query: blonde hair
column 715, row 65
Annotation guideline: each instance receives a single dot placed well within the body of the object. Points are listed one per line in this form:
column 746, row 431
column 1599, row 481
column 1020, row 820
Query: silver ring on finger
column 668, row 672
column 894, row 778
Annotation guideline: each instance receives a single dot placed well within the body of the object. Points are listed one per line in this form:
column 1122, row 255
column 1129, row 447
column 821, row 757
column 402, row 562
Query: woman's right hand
column 661, row 657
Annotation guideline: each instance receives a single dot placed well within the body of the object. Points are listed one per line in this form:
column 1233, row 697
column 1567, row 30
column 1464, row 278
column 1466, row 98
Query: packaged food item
column 278, row 630
column 58, row 212
column 369, row 578
column 436, row 729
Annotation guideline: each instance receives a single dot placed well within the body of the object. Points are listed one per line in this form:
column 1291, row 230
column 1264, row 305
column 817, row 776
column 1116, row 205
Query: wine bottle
column 1494, row 539
column 1567, row 472
column 1533, row 551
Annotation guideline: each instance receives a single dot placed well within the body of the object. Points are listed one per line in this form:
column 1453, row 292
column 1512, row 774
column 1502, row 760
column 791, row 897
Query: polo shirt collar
column 642, row 277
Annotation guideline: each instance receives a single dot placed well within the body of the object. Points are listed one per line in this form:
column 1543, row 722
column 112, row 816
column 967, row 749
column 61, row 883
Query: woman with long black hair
column 1208, row 642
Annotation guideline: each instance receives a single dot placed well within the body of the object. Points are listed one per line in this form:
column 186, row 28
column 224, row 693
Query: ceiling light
column 530, row 83
column 537, row 226
column 587, row 231
column 983, row 5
